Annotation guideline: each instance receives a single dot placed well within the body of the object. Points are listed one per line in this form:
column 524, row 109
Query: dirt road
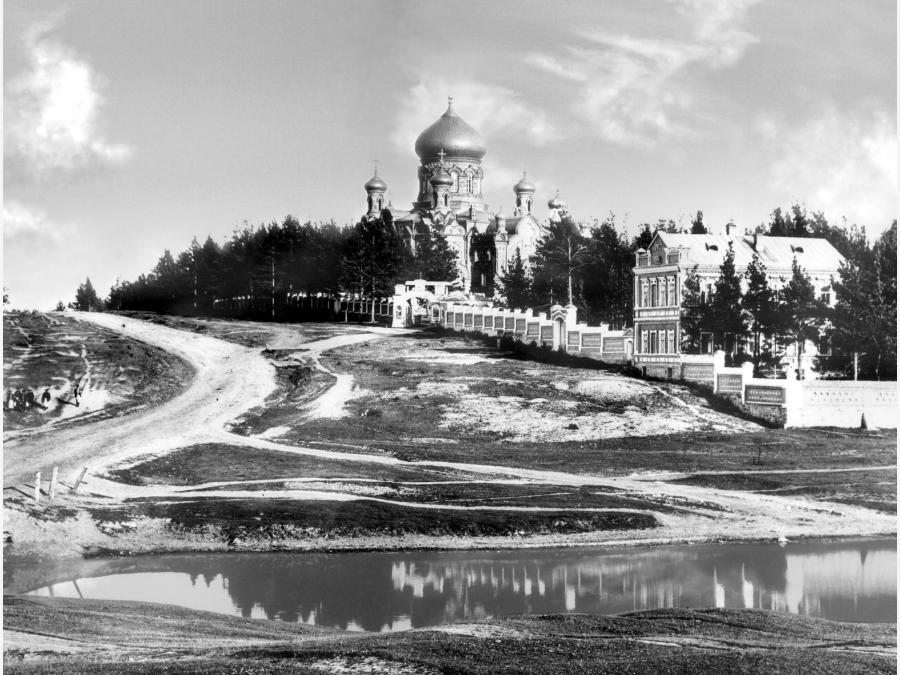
column 229, row 380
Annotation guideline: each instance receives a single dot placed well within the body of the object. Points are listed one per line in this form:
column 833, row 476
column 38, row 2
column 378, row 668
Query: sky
column 132, row 126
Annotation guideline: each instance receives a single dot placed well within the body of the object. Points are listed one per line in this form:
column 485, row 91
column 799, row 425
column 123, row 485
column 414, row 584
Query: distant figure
column 29, row 399
column 8, row 400
column 45, row 397
column 18, row 399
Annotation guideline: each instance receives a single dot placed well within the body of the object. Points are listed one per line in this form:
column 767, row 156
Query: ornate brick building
column 661, row 269
column 450, row 203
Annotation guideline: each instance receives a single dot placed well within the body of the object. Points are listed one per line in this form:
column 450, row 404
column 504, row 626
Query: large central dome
column 452, row 135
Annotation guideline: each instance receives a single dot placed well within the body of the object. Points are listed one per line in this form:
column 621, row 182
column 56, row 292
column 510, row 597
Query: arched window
column 455, row 177
column 464, row 184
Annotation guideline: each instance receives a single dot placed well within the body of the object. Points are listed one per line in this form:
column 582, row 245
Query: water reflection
column 847, row 581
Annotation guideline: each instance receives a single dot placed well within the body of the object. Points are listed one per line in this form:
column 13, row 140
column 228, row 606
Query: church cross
column 441, row 155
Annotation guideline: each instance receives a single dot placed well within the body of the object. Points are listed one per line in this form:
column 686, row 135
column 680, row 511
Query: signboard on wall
column 697, row 371
column 614, row 344
column 730, row 383
column 766, row 395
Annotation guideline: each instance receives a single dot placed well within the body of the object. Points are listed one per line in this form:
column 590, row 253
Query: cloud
column 23, row 223
column 54, row 112
column 492, row 110
column 842, row 163
column 634, row 91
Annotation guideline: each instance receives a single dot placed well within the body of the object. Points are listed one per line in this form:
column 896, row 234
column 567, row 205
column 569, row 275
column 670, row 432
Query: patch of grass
column 871, row 489
column 264, row 520
column 670, row 641
column 214, row 462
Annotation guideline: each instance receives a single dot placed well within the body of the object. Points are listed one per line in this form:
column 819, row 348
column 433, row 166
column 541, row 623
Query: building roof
column 524, row 185
column 776, row 253
column 375, row 183
column 452, row 135
column 812, row 253
column 707, row 249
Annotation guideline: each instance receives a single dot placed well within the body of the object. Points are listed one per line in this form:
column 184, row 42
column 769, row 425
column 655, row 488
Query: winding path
column 230, row 380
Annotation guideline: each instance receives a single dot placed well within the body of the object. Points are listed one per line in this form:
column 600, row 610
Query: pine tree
column 697, row 226
column 864, row 320
column 694, row 313
column 725, row 309
column 516, row 284
column 558, row 260
column 86, row 299
column 372, row 258
column 759, row 303
column 802, row 313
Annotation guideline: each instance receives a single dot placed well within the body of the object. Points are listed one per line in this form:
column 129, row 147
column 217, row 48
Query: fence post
column 53, row 476
column 37, row 486
column 80, row 478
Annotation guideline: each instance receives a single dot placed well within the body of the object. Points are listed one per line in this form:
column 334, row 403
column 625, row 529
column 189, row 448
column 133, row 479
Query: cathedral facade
column 450, row 204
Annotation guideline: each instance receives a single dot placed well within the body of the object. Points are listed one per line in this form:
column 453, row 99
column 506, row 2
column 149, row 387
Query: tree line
column 587, row 264
column 272, row 261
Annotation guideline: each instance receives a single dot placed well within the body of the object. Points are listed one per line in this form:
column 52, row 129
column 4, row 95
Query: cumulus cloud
column 54, row 112
column 23, row 223
column 492, row 110
column 842, row 163
column 633, row 90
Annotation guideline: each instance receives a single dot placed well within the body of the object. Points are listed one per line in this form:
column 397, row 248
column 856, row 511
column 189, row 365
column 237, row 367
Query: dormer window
column 712, row 247
column 796, row 249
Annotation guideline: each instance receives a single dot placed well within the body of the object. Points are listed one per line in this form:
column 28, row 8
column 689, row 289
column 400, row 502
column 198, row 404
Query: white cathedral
column 451, row 204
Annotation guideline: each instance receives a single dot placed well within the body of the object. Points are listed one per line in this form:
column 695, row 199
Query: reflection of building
column 450, row 203
column 661, row 269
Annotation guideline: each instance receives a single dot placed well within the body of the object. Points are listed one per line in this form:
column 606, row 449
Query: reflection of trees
column 371, row 590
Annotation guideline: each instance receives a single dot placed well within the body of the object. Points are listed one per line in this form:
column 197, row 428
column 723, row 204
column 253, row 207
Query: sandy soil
column 232, row 379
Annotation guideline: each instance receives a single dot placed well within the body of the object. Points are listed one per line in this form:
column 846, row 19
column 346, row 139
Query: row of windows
column 658, row 292
column 658, row 342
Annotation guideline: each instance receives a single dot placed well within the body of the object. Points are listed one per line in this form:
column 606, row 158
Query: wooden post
column 37, row 486
column 53, row 477
column 80, row 479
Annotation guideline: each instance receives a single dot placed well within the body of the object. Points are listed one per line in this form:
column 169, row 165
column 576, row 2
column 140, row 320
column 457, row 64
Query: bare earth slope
column 91, row 636
column 283, row 504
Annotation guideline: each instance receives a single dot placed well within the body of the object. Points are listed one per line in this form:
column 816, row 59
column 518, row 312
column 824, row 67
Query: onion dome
column 556, row 202
column 524, row 185
column 441, row 177
column 451, row 134
column 375, row 184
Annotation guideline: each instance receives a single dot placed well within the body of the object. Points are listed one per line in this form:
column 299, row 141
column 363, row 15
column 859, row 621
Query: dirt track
column 231, row 379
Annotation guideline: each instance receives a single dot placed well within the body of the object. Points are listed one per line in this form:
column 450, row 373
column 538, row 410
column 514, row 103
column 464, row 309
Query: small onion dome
column 441, row 177
column 556, row 202
column 451, row 134
column 375, row 184
column 524, row 185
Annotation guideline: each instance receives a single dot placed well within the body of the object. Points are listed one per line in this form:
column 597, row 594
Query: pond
column 845, row 580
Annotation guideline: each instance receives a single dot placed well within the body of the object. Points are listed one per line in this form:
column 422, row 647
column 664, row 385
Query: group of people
column 21, row 400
